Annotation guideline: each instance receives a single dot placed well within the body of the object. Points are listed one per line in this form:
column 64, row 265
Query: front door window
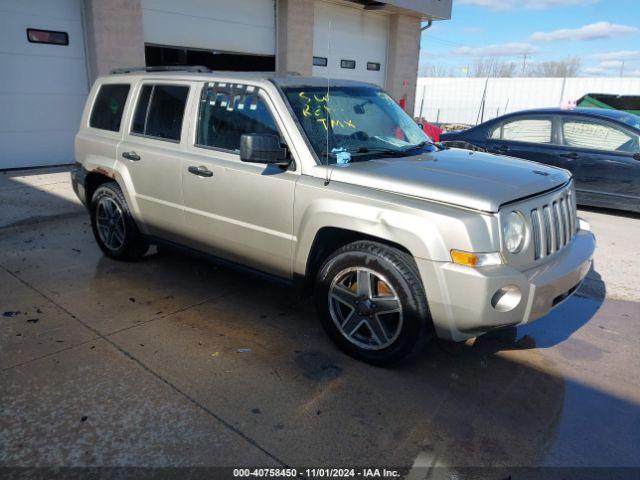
column 229, row 111
column 524, row 130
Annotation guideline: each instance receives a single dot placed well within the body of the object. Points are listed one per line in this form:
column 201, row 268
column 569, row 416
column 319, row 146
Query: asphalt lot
column 173, row 361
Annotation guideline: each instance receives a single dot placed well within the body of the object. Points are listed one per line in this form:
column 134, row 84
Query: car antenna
column 328, row 170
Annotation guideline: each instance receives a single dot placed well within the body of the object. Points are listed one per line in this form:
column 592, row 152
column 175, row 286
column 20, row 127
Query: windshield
column 355, row 123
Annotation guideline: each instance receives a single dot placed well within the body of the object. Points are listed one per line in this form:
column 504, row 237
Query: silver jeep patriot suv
column 330, row 184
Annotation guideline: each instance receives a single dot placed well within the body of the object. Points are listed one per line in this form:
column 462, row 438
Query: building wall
column 435, row 9
column 294, row 31
column 42, row 86
column 114, row 35
column 351, row 33
column 403, row 56
column 203, row 24
column 115, row 38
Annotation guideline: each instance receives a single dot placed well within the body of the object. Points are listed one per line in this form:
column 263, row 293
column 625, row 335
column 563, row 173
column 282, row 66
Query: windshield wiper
column 366, row 150
column 360, row 151
column 397, row 152
column 416, row 146
column 363, row 151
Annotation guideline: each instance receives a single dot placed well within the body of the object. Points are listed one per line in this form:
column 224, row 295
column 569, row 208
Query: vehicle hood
column 451, row 135
column 479, row 181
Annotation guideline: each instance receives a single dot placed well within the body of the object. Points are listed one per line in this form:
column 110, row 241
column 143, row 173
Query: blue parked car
column 601, row 148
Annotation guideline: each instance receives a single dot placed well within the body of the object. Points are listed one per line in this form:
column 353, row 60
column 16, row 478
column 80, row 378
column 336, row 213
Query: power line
column 445, row 41
column 524, row 63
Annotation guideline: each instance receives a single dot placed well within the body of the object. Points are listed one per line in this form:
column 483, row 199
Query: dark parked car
column 601, row 148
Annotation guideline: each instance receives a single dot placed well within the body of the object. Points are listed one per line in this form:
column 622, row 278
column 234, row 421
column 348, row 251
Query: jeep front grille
column 554, row 224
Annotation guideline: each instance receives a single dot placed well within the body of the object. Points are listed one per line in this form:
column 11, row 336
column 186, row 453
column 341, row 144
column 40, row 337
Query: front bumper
column 460, row 298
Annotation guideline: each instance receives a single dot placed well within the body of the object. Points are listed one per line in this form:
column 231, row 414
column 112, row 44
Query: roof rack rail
column 167, row 68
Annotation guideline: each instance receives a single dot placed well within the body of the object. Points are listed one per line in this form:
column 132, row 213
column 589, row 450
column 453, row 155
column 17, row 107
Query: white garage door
column 240, row 26
column 42, row 86
column 343, row 35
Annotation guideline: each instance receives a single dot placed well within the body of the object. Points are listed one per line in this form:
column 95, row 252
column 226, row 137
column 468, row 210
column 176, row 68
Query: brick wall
column 404, row 51
column 294, row 36
column 114, row 35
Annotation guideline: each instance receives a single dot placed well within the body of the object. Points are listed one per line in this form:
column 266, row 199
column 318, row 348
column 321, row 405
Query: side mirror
column 263, row 148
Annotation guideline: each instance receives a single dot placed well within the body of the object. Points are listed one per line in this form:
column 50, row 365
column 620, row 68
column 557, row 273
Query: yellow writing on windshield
column 336, row 123
column 316, row 106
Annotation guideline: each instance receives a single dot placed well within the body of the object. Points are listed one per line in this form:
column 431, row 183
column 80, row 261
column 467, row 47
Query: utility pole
column 622, row 68
column 524, row 63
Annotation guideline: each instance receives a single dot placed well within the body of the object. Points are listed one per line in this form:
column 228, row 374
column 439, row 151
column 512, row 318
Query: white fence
column 459, row 100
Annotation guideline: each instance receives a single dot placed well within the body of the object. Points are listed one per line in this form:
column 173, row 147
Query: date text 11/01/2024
column 317, row 472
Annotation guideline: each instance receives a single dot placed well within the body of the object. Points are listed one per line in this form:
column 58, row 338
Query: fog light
column 506, row 299
column 583, row 225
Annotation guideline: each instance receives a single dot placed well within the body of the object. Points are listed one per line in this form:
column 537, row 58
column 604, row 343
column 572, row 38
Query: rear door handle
column 133, row 156
column 200, row 171
column 570, row 156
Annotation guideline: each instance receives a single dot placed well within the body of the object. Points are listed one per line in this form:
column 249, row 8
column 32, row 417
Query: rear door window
column 229, row 111
column 109, row 106
column 595, row 135
column 160, row 111
column 530, row 130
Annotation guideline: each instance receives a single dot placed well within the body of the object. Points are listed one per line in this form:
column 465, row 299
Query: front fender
column 427, row 230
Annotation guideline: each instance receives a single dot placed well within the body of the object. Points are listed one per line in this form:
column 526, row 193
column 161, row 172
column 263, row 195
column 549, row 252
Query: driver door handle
column 201, row 171
column 133, row 156
column 570, row 156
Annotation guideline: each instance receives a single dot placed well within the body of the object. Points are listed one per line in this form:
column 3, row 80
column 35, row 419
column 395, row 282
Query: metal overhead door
column 352, row 40
column 43, row 81
column 240, row 26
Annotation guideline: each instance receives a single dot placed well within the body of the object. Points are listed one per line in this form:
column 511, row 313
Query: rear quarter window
column 160, row 111
column 109, row 106
column 594, row 135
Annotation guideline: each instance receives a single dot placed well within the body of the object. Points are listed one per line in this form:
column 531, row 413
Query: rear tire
column 371, row 302
column 113, row 226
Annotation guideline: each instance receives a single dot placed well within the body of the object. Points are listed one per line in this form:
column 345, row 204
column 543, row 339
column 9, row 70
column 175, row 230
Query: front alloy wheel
column 371, row 302
column 365, row 308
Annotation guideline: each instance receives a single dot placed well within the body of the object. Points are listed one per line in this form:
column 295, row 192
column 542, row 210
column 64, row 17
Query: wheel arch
column 327, row 240
column 93, row 180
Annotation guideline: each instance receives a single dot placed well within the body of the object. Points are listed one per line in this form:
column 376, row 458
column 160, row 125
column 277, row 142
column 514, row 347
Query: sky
column 601, row 33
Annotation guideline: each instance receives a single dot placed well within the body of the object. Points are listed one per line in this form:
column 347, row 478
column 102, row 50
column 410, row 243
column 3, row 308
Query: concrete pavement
column 173, row 361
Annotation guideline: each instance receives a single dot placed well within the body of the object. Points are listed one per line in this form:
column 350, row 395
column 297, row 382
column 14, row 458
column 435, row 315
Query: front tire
column 372, row 303
column 113, row 226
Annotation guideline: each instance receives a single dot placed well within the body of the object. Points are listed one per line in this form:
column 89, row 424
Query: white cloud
column 530, row 4
column 611, row 65
column 593, row 31
column 594, row 71
column 608, row 67
column 502, row 50
column 620, row 55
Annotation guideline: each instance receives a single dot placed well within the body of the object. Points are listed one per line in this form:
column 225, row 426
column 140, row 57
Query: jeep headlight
column 514, row 232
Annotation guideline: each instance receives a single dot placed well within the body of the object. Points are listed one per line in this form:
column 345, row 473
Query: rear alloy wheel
column 113, row 226
column 110, row 224
column 372, row 304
